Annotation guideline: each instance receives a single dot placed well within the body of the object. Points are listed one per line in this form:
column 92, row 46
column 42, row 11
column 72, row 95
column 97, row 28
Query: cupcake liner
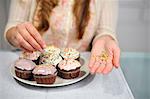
column 24, row 74
column 68, row 74
column 45, row 79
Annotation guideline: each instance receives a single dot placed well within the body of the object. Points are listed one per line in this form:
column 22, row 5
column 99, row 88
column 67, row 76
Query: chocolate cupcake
column 34, row 56
column 68, row 53
column 23, row 68
column 45, row 74
column 69, row 69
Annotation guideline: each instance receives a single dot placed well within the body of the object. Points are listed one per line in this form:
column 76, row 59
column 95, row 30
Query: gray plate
column 59, row 81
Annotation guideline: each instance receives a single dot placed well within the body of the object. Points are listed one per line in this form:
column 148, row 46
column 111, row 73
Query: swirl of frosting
column 52, row 49
column 67, row 53
column 30, row 55
column 24, row 64
column 53, row 59
column 69, row 64
column 44, row 70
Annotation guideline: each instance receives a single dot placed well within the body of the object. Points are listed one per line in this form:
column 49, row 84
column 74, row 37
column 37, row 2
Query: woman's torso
column 62, row 31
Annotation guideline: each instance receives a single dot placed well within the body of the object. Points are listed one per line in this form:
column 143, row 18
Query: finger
column 15, row 42
column 116, row 57
column 94, row 67
column 23, row 43
column 101, row 68
column 24, row 49
column 109, row 64
column 32, row 30
column 95, row 52
column 25, row 34
column 110, row 53
column 108, row 67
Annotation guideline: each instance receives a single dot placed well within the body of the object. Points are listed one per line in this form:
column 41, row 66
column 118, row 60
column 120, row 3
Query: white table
column 111, row 86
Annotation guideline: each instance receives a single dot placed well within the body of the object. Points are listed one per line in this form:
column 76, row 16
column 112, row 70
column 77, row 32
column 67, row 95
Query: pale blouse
column 62, row 31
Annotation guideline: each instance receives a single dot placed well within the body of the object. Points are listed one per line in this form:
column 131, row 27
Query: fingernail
column 92, row 73
column 104, row 73
column 90, row 66
column 41, row 50
column 44, row 46
column 118, row 65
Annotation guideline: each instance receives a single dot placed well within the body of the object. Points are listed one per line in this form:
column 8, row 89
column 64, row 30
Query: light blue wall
column 133, row 25
column 2, row 19
column 4, row 8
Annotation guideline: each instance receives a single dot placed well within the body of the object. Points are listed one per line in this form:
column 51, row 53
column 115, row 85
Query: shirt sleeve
column 107, row 20
column 18, row 12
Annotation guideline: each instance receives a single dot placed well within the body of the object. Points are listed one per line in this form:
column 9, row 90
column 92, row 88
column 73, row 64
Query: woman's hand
column 108, row 45
column 26, row 37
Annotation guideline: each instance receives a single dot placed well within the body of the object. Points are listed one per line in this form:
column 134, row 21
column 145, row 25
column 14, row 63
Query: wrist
column 104, row 39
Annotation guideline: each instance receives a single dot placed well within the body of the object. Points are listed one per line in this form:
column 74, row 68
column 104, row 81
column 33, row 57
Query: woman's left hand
column 107, row 46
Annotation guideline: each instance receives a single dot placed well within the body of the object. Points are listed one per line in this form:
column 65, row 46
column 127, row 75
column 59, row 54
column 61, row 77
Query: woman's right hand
column 26, row 37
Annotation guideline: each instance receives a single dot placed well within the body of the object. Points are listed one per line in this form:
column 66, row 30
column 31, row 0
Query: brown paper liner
column 68, row 74
column 42, row 79
column 24, row 74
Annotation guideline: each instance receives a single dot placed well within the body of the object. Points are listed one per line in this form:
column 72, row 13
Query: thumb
column 116, row 57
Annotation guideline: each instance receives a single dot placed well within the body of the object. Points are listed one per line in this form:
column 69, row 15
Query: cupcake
column 49, row 58
column 68, row 53
column 52, row 50
column 45, row 74
column 69, row 69
column 34, row 56
column 24, row 68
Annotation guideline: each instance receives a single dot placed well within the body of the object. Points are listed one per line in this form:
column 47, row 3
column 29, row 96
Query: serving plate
column 59, row 81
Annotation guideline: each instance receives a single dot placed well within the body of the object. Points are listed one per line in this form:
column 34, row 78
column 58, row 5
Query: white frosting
column 30, row 55
column 52, row 49
column 25, row 64
column 44, row 70
column 69, row 64
column 67, row 53
column 53, row 59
